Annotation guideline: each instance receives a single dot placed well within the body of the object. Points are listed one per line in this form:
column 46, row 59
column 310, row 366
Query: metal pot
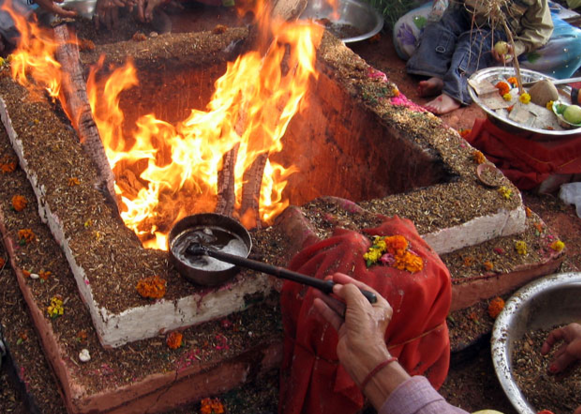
column 214, row 230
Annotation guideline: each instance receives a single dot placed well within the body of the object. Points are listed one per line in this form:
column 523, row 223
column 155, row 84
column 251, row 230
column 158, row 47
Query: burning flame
column 34, row 54
column 165, row 172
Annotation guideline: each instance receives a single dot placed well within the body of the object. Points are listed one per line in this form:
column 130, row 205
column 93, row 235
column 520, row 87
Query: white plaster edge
column 478, row 230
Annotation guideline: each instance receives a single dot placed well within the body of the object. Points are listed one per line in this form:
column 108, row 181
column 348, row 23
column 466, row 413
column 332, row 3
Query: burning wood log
column 288, row 9
column 226, row 195
column 79, row 110
column 251, row 191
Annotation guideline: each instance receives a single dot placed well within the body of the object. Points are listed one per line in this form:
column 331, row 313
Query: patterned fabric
column 559, row 58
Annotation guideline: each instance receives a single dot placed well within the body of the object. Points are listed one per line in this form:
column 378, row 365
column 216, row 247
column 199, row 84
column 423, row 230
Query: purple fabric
column 417, row 396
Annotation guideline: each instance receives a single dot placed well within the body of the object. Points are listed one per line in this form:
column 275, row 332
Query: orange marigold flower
column 495, row 306
column 151, row 287
column 44, row 275
column 409, row 261
column 513, row 81
column 174, row 340
column 26, row 236
column 488, row 265
column 503, row 88
column 479, row 157
column 396, row 245
column 557, row 245
column 19, row 202
column 8, row 167
column 211, row 406
column 468, row 261
column 73, row 181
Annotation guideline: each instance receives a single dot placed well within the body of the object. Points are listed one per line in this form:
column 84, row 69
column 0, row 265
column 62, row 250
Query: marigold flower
column 505, row 192
column 512, row 81
column 19, row 202
column 488, row 265
column 26, row 236
column 525, row 98
column 549, row 105
column 521, row 247
column 393, row 251
column 151, row 287
column 211, row 406
column 55, row 308
column 44, row 275
column 396, row 245
column 409, row 261
column 73, row 181
column 468, row 261
column 495, row 306
column 557, row 245
column 479, row 157
column 503, row 88
column 507, row 96
column 174, row 340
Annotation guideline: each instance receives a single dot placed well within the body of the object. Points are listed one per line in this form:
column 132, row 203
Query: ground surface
column 471, row 383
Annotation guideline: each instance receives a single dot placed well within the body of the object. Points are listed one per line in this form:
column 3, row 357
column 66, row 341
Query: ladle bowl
column 212, row 230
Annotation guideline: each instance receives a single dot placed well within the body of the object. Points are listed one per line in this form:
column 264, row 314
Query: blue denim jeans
column 452, row 50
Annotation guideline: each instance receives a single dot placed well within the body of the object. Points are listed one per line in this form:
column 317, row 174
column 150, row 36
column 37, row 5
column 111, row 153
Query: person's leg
column 436, row 47
column 472, row 53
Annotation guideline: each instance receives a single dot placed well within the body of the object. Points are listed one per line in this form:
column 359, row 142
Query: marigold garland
column 503, row 88
column 211, row 406
column 393, row 251
column 19, row 202
column 174, row 340
column 151, row 287
column 495, row 306
column 557, row 245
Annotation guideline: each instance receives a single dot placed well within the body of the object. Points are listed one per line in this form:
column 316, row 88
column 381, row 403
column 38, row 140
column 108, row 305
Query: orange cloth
column 312, row 381
column 525, row 161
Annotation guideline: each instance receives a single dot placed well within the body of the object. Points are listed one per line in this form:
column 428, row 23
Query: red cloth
column 312, row 381
column 525, row 161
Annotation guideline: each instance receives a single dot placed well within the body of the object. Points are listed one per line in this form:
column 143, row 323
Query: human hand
column 145, row 9
column 51, row 7
column 569, row 351
column 107, row 12
column 360, row 325
column 503, row 58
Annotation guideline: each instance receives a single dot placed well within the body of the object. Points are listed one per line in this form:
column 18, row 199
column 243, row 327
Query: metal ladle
column 196, row 249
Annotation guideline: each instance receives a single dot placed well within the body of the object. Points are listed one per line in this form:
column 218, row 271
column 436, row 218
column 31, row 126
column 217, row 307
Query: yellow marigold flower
column 557, row 245
column 55, row 308
column 505, row 192
column 372, row 255
column 549, row 105
column 507, row 96
column 521, row 247
column 525, row 98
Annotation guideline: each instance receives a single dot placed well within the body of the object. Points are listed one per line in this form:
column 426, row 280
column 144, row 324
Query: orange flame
column 165, row 172
column 34, row 54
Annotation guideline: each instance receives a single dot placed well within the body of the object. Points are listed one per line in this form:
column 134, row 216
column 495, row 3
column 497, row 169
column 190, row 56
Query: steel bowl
column 203, row 229
column 495, row 74
column 542, row 304
column 358, row 14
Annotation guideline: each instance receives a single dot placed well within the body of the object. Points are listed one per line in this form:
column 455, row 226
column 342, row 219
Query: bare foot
column 430, row 87
column 442, row 105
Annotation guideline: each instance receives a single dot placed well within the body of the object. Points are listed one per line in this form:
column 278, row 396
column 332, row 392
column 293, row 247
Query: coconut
column 542, row 92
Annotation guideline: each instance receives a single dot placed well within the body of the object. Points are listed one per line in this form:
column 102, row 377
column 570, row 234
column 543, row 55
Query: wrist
column 384, row 382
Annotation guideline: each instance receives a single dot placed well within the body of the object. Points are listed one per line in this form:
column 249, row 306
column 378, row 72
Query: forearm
column 417, row 396
column 536, row 29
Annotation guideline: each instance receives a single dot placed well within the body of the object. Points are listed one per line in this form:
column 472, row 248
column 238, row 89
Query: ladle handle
column 323, row 285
